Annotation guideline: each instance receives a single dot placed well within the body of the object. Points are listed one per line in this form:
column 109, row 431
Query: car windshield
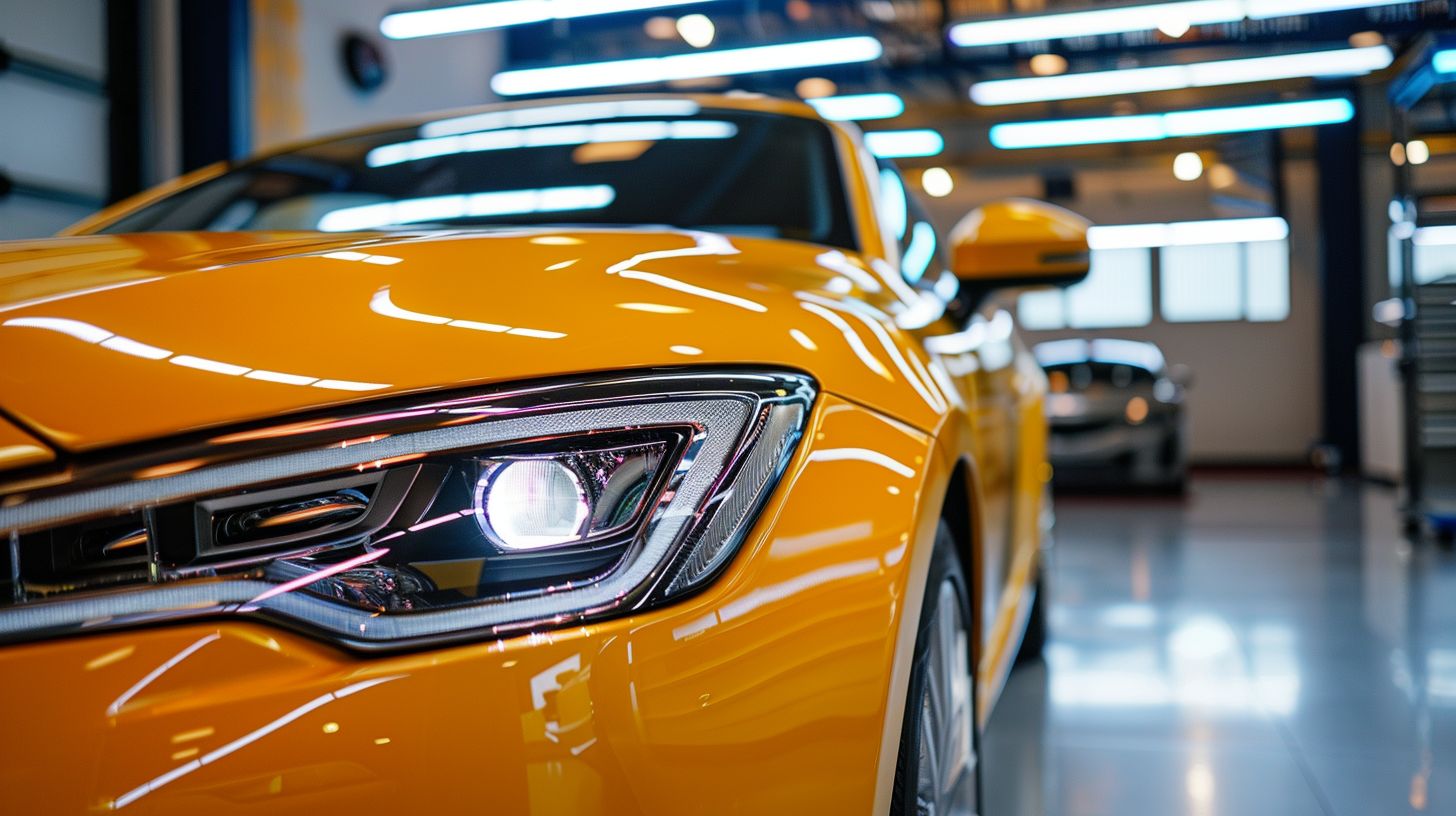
column 1095, row 374
column 664, row 162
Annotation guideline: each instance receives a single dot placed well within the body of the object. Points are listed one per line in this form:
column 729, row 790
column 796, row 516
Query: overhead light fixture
column 1444, row 62
column 697, row 30
column 1174, row 27
column 1188, row 233
column 1188, row 166
column 815, row 87
column 858, row 107
column 660, row 28
column 1417, row 151
column 904, row 144
column 937, row 182
column 433, row 22
column 727, row 62
column 1341, row 62
column 1152, row 17
column 1221, row 176
column 1155, row 126
column 1047, row 64
column 1363, row 39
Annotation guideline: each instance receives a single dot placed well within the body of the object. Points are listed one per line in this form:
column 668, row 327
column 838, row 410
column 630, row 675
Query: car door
column 993, row 386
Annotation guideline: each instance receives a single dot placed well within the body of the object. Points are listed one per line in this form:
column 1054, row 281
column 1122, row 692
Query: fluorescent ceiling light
column 551, row 136
column 904, row 144
column 447, row 207
column 1156, row 126
column 1342, row 62
column 405, row 25
column 1444, row 61
column 1188, row 233
column 857, row 107
column 1128, row 19
column 697, row 65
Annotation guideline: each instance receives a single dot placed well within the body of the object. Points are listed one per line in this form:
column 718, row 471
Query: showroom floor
column 1270, row 645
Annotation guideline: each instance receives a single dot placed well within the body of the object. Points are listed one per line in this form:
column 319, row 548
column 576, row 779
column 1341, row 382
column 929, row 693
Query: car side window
column 922, row 263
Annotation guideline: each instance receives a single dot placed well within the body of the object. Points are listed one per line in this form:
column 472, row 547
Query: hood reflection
column 382, row 304
column 96, row 335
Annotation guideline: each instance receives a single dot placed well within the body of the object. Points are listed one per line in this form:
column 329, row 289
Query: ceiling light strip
column 904, row 144
column 1341, row 62
column 408, row 25
column 1156, row 126
column 858, row 107
column 1130, row 19
column 697, row 65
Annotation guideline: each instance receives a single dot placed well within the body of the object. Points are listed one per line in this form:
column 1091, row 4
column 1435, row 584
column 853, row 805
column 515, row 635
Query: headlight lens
column 454, row 519
column 531, row 504
column 527, row 503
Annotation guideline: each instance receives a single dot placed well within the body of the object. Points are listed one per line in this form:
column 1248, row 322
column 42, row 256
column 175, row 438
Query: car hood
column 107, row 340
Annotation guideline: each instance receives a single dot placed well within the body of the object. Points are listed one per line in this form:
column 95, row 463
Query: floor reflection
column 1269, row 645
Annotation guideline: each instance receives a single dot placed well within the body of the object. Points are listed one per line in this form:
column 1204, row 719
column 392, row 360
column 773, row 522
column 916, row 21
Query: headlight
column 458, row 518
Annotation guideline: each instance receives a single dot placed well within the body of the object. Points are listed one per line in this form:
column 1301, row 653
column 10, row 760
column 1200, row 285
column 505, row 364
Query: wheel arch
column 958, row 511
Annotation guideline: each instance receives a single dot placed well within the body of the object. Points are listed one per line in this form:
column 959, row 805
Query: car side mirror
column 1020, row 242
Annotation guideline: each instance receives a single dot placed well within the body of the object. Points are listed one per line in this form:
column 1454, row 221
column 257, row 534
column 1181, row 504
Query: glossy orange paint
column 779, row 688
column 20, row 449
column 1020, row 238
column 374, row 316
column 781, row 673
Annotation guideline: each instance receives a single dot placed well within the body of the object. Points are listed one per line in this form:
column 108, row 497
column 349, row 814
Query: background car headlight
column 458, row 518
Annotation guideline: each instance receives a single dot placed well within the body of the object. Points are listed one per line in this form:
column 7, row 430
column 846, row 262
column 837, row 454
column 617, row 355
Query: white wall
column 1257, row 394
column 300, row 86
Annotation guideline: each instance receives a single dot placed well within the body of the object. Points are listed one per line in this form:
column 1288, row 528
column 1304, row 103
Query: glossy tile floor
column 1270, row 645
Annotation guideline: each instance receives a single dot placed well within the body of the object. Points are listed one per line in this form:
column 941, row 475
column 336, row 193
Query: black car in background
column 1116, row 415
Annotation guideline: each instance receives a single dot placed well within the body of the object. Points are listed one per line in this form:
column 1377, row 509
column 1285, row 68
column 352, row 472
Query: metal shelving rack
column 1423, row 104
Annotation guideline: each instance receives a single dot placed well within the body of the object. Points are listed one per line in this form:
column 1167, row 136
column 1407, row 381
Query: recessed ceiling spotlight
column 1174, row 26
column 696, row 30
column 1188, row 166
column 1048, row 64
column 660, row 28
column 1366, row 39
column 815, row 87
column 937, row 182
column 1222, row 177
column 1417, row 151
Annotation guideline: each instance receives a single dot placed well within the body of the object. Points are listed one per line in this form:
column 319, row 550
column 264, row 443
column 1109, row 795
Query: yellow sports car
column 616, row 455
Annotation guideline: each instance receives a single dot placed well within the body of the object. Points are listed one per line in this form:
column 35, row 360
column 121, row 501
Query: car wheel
column 937, row 773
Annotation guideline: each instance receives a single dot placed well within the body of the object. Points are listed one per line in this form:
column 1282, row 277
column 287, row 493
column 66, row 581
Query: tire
column 1033, row 641
column 938, row 738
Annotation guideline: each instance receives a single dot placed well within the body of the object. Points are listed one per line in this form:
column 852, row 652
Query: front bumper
column 768, row 692
column 1151, row 453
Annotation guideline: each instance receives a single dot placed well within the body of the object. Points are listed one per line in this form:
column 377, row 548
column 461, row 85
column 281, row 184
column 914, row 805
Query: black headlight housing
column 450, row 519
